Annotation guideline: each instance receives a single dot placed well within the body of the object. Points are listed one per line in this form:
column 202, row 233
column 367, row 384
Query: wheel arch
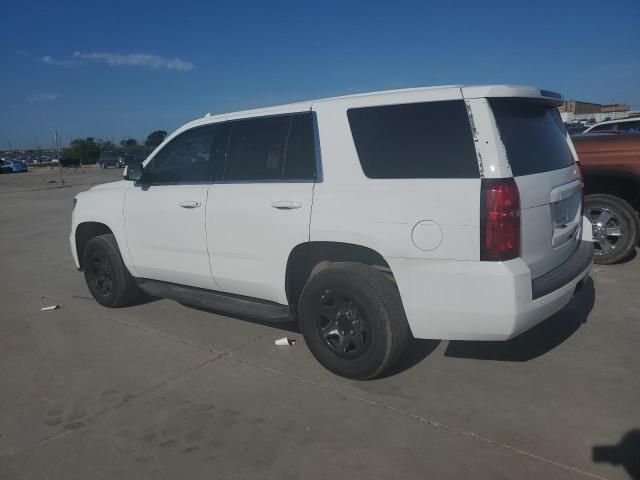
column 308, row 258
column 85, row 231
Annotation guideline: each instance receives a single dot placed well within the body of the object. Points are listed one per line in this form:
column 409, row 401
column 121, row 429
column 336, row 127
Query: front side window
column 271, row 148
column 185, row 159
column 417, row 140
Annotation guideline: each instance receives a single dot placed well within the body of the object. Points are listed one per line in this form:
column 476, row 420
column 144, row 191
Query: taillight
column 500, row 219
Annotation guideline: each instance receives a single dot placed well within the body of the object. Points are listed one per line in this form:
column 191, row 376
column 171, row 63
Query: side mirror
column 133, row 172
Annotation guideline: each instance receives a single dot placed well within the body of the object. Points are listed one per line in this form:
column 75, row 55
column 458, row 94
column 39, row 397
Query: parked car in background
column 443, row 213
column 70, row 162
column 623, row 125
column 611, row 169
column 111, row 159
column 15, row 166
column 4, row 167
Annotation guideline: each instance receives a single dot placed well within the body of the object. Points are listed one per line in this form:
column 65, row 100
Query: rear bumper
column 560, row 276
column 469, row 300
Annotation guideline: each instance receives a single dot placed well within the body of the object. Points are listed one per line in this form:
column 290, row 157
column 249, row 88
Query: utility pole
column 59, row 158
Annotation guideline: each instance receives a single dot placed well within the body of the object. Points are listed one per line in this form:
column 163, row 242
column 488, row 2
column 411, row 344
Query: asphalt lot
column 161, row 390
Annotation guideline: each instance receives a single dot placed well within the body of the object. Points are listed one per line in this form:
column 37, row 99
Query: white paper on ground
column 587, row 232
column 52, row 307
column 285, row 341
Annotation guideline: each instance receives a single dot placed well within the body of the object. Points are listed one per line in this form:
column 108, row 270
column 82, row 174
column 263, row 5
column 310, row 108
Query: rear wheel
column 352, row 319
column 615, row 227
column 107, row 277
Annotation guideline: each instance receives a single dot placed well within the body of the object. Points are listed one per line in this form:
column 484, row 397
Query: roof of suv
column 403, row 95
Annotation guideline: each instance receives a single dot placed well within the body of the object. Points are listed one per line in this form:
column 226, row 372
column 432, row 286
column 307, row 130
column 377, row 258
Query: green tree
column 155, row 138
column 106, row 145
column 129, row 143
column 84, row 149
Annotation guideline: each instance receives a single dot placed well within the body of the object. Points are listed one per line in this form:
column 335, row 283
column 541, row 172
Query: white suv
column 445, row 213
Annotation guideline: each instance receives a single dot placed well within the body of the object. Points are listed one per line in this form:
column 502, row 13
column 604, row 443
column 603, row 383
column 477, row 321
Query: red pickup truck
column 611, row 169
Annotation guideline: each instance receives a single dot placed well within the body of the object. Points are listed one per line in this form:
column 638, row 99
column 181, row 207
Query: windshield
column 533, row 135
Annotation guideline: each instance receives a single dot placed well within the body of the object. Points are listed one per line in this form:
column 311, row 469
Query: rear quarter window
column 533, row 135
column 417, row 140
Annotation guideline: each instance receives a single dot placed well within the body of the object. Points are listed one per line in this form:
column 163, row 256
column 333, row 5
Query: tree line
column 88, row 150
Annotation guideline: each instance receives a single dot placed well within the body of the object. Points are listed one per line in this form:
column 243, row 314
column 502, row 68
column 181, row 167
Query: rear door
column 541, row 161
column 261, row 208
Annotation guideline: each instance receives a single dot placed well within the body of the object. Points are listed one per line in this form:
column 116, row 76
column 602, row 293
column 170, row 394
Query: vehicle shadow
column 626, row 453
column 535, row 342
column 417, row 351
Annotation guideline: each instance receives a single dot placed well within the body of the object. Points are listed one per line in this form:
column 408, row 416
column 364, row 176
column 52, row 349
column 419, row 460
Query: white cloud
column 153, row 62
column 43, row 97
column 61, row 63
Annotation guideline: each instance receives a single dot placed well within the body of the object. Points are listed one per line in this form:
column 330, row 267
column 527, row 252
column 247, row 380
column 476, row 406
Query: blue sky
column 115, row 69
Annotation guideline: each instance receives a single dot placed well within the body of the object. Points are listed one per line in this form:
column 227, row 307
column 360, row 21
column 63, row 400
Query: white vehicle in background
column 626, row 125
column 447, row 213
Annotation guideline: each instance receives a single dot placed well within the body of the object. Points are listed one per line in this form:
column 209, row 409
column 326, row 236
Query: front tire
column 107, row 277
column 353, row 321
column 615, row 227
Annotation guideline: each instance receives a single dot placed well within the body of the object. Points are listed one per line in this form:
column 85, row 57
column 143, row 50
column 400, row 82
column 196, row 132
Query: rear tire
column 353, row 321
column 107, row 277
column 615, row 227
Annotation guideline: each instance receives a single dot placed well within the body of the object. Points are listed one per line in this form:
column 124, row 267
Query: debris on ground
column 51, row 307
column 285, row 341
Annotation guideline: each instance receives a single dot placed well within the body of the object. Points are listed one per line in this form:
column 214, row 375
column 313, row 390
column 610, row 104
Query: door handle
column 189, row 204
column 286, row 204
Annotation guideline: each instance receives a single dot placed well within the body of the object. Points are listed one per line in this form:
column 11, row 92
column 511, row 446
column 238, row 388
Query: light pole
column 59, row 158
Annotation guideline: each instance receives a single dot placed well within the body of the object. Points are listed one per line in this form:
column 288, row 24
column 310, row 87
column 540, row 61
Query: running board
column 217, row 301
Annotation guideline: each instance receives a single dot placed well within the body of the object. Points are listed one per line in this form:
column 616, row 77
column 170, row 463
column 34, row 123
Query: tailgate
column 540, row 156
column 551, row 218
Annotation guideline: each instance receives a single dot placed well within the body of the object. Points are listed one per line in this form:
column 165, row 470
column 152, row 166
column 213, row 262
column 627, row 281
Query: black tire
column 621, row 219
column 381, row 332
column 107, row 277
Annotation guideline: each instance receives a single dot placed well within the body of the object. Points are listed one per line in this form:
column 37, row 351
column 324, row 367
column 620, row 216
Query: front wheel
column 107, row 277
column 353, row 321
column 615, row 227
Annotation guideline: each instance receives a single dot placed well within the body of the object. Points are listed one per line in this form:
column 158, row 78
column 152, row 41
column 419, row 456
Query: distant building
column 575, row 111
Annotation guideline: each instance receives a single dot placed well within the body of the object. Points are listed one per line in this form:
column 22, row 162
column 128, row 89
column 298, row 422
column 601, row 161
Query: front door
column 165, row 212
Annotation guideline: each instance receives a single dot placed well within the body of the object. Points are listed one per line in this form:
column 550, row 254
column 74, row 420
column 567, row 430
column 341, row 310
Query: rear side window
column 631, row 127
column 185, row 159
column 418, row 140
column 533, row 135
column 272, row 148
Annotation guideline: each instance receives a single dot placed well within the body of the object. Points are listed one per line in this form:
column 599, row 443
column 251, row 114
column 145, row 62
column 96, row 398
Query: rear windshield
column 533, row 134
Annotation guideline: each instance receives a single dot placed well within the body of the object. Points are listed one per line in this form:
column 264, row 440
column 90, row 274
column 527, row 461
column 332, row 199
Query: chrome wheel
column 608, row 230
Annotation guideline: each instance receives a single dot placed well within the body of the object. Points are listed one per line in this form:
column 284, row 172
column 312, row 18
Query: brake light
column 500, row 219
